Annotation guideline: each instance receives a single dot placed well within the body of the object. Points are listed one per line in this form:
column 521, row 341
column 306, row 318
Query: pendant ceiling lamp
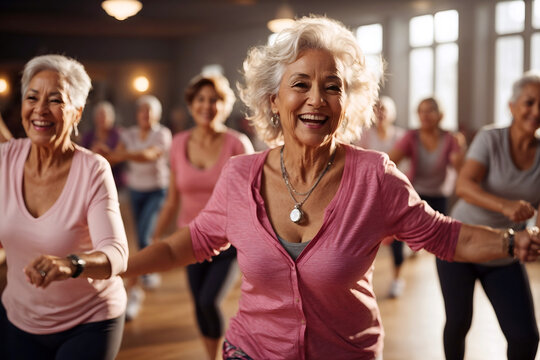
column 284, row 19
column 121, row 9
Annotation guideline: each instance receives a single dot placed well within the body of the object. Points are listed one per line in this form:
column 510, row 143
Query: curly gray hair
column 73, row 76
column 265, row 65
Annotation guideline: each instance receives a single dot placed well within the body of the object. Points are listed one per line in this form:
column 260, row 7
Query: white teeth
column 313, row 117
column 42, row 123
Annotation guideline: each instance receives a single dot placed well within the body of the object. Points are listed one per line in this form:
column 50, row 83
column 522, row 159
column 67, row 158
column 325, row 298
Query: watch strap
column 78, row 263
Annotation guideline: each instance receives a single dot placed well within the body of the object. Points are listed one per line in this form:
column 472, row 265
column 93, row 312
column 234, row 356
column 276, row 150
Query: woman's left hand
column 47, row 268
column 527, row 244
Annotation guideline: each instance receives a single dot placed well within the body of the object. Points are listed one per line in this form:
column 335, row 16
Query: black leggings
column 208, row 282
column 91, row 341
column 397, row 252
column 507, row 288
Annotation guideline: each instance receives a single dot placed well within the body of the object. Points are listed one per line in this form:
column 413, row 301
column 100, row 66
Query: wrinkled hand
column 44, row 269
column 518, row 211
column 527, row 244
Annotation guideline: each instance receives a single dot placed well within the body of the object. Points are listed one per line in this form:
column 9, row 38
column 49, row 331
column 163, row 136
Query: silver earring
column 274, row 120
column 75, row 130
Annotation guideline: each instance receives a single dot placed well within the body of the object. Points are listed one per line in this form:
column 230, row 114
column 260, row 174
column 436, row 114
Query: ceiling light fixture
column 284, row 19
column 121, row 9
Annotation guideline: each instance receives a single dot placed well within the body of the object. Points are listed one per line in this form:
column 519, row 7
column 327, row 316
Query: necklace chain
column 292, row 191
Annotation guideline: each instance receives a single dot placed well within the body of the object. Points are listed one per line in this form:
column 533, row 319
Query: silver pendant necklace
column 297, row 215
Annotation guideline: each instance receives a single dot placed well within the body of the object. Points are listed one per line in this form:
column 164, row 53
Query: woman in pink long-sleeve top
column 308, row 217
column 60, row 226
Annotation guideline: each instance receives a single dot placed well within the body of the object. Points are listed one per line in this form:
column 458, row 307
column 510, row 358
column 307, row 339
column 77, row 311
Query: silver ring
column 42, row 273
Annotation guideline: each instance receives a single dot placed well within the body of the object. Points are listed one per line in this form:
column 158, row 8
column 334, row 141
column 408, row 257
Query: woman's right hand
column 517, row 211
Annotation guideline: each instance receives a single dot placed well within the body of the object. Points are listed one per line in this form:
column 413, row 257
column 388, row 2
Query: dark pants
column 507, row 288
column 91, row 341
column 145, row 206
column 208, row 282
column 397, row 252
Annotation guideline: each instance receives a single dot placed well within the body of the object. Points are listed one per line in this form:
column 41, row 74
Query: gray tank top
column 292, row 248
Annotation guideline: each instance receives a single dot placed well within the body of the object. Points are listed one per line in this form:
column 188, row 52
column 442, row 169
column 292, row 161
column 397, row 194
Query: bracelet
column 509, row 239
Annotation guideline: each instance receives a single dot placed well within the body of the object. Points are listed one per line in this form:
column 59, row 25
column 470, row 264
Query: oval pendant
column 296, row 215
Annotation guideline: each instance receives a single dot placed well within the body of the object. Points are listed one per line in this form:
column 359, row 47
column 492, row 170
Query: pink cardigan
column 86, row 217
column 322, row 305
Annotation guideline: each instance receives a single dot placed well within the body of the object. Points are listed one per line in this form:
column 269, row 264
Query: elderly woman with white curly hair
column 60, row 226
column 308, row 216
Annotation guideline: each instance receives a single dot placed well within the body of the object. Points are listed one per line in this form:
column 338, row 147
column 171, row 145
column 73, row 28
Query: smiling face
column 526, row 109
column 205, row 106
column 429, row 115
column 311, row 98
column 47, row 115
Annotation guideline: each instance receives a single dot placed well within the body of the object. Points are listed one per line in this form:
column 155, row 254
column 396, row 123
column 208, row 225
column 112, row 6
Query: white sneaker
column 134, row 303
column 151, row 281
column 396, row 289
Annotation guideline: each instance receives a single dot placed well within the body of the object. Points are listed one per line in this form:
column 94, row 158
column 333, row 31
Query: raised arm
column 174, row 251
column 469, row 188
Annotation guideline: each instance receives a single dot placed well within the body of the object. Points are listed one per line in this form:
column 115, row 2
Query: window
column 370, row 39
column 517, row 49
column 509, row 46
column 433, row 64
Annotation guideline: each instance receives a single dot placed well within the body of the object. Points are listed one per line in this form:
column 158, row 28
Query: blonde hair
column 265, row 65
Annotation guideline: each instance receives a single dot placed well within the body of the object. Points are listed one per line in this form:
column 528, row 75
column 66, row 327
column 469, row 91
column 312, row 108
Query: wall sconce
column 284, row 19
column 121, row 9
column 4, row 86
column 141, row 84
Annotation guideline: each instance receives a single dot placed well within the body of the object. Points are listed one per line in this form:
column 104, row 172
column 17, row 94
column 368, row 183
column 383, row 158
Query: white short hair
column 152, row 102
column 73, row 76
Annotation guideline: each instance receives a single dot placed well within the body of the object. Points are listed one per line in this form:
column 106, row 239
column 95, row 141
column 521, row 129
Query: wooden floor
column 413, row 323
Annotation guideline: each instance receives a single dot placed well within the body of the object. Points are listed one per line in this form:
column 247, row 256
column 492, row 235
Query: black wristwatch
column 509, row 235
column 78, row 263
